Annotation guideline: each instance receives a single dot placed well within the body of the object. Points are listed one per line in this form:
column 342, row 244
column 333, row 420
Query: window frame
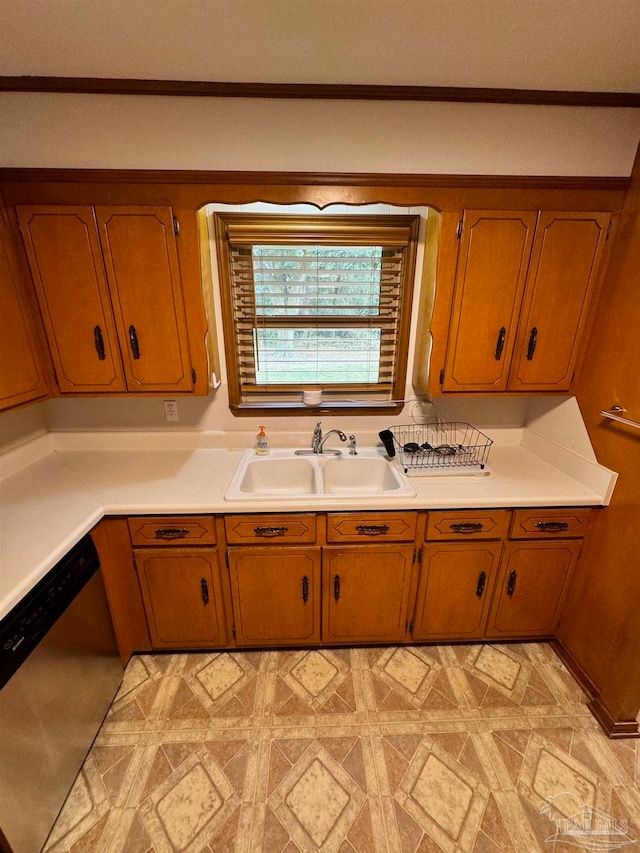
column 246, row 229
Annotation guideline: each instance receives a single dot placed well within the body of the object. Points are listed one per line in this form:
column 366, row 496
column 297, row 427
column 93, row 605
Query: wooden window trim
column 247, row 229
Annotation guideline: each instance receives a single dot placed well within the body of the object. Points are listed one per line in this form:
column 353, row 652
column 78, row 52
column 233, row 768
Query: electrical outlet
column 171, row 410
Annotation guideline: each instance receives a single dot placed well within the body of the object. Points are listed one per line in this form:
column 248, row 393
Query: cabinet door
column 454, row 594
column 22, row 379
column 564, row 269
column 182, row 597
column 492, row 267
column 365, row 593
column 66, row 264
column 141, row 261
column 276, row 595
column 531, row 588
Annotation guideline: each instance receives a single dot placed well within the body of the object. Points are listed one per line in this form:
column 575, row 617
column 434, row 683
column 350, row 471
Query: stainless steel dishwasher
column 59, row 671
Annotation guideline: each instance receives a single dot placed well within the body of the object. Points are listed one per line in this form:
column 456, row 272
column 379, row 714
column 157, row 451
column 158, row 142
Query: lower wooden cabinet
column 531, row 589
column 454, row 594
column 276, row 595
column 182, row 597
column 365, row 593
column 314, row 592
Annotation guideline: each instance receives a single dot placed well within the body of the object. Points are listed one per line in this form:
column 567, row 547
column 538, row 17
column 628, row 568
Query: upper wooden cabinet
column 562, row 276
column 108, row 283
column 141, row 261
column 492, row 270
column 523, row 286
column 22, row 378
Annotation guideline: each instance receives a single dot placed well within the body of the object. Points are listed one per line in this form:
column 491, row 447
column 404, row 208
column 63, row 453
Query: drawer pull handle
column 511, row 586
column 336, row 587
column 502, row 334
column 270, row 531
column 372, row 529
column 552, row 526
column 305, row 589
column 99, row 342
column 467, row 527
column 204, row 589
column 133, row 340
column 533, row 340
column 482, row 579
column 172, row 532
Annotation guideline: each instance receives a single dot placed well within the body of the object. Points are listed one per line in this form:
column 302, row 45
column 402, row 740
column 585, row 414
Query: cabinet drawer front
column 354, row 527
column 262, row 529
column 558, row 523
column 169, row 530
column 490, row 524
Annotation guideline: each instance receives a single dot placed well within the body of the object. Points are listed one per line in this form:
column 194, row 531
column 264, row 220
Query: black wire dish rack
column 441, row 448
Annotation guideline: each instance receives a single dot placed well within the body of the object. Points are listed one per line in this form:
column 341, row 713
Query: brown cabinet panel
column 564, row 268
column 469, row 524
column 276, row 595
column 261, row 529
column 182, row 596
column 22, row 379
column 550, row 523
column 365, row 593
column 66, row 264
column 531, row 588
column 492, row 267
column 355, row 527
column 141, row 262
column 454, row 594
column 168, row 530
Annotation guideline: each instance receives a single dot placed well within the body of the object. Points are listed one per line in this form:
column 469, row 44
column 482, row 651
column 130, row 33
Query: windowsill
column 347, row 407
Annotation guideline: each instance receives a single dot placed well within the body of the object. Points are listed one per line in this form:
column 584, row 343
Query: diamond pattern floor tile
column 413, row 749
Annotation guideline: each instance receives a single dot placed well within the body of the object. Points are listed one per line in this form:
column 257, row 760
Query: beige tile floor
column 403, row 749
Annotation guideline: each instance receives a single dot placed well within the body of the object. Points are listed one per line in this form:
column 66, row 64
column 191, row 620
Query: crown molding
column 317, row 91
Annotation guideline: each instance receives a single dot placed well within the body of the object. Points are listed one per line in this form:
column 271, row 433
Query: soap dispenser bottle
column 262, row 443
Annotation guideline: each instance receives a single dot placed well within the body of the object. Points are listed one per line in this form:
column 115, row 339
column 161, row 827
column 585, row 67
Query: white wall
column 131, row 132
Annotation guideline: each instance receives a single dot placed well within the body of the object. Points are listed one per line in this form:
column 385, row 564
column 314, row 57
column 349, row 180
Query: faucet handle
column 317, row 437
column 352, row 446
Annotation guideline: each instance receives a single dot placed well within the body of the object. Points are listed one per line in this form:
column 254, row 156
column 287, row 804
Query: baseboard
column 612, row 728
column 575, row 669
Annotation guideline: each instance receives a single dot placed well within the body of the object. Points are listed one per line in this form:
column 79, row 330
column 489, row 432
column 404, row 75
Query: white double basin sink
column 284, row 475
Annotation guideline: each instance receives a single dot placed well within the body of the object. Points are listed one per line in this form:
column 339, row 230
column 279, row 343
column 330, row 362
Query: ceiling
column 581, row 45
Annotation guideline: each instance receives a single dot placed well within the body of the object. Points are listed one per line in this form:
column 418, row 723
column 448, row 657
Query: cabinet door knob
column 502, row 334
column 533, row 340
column 336, row 587
column 305, row 589
column 511, row 586
column 204, row 589
column 482, row 579
column 133, row 340
column 99, row 342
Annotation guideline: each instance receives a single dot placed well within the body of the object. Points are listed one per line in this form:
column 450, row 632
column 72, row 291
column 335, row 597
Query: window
column 315, row 302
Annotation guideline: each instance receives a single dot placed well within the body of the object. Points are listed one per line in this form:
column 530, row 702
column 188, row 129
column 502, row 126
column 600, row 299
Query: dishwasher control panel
column 24, row 626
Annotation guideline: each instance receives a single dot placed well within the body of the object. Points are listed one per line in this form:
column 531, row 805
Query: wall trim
column 317, row 91
column 613, row 728
column 160, row 176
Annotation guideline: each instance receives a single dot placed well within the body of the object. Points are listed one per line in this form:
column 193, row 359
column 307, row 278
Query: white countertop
column 54, row 490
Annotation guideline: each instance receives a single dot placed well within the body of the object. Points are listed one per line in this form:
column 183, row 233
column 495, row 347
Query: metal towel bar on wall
column 615, row 413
